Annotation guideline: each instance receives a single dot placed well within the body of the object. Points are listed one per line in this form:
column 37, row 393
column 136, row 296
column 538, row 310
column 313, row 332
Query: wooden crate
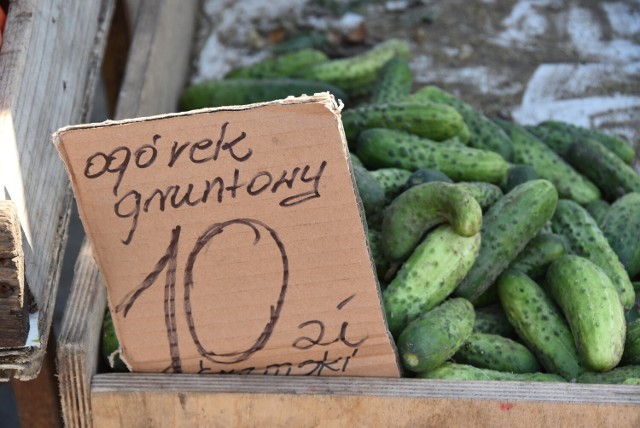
column 49, row 64
column 91, row 398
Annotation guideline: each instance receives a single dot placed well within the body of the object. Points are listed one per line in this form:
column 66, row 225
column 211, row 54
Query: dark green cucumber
column 485, row 134
column 507, row 228
column 560, row 135
column 494, row 352
column 591, row 306
column 370, row 192
column 432, row 339
column 621, row 227
column 380, row 148
column 111, row 346
column 631, row 353
column 356, row 75
column 539, row 324
column 587, row 240
column 538, row 254
column 422, row 207
column 598, row 210
column 392, row 181
column 530, row 150
column 393, row 82
column 489, row 297
column 436, row 122
column 426, row 175
column 248, row 91
column 453, row 371
column 617, row 375
column 486, row 194
column 375, row 246
column 432, row 272
column 518, row 174
column 492, row 320
column 614, row 177
column 280, row 66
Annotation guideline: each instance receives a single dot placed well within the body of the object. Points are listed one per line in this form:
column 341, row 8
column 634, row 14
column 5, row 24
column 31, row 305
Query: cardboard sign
column 230, row 240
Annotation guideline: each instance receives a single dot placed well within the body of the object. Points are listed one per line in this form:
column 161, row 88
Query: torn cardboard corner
column 230, row 240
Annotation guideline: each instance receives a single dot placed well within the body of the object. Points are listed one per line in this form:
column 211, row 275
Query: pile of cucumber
column 504, row 252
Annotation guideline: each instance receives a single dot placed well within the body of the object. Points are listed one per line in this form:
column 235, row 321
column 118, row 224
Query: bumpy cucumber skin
column 617, row 375
column 394, row 81
column 432, row 272
column 492, row 320
column 371, row 194
column 631, row 353
column 392, row 181
column 539, row 324
column 538, row 254
column 598, row 210
column 621, row 227
column 453, row 371
column 426, row 175
column 356, row 75
column 285, row 65
column 486, row 194
column 111, row 346
column 248, row 91
column 432, row 339
column 529, row 150
column 380, row 148
column 518, row 174
column 507, row 228
column 436, row 122
column 560, row 135
column 375, row 246
column 614, row 177
column 490, row 351
column 591, row 306
column 422, row 207
column 587, row 240
column 485, row 134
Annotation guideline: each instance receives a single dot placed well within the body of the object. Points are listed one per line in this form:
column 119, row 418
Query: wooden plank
column 155, row 75
column 14, row 298
column 49, row 64
column 163, row 400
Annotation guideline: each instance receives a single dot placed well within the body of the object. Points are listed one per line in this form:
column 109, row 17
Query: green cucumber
column 538, row 254
column 422, row 207
column 394, row 81
column 392, row 181
column 436, row 122
column 539, row 324
column 453, row 371
column 432, row 272
column 486, row 194
column 518, row 174
column 426, row 175
column 631, row 353
column 489, row 297
column 598, row 210
column 285, row 65
column 355, row 160
column 370, row 192
column 561, row 135
column 490, row 351
column 375, row 246
column 591, row 306
column 614, row 177
column 485, row 134
column 621, row 227
column 432, row 339
column 632, row 381
column 617, row 375
column 587, row 240
column 356, row 75
column 248, row 91
column 529, row 150
column 380, row 148
column 507, row 228
column 111, row 346
column 492, row 320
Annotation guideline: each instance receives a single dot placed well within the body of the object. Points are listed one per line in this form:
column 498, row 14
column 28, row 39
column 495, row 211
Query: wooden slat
column 49, row 65
column 192, row 400
column 155, row 75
